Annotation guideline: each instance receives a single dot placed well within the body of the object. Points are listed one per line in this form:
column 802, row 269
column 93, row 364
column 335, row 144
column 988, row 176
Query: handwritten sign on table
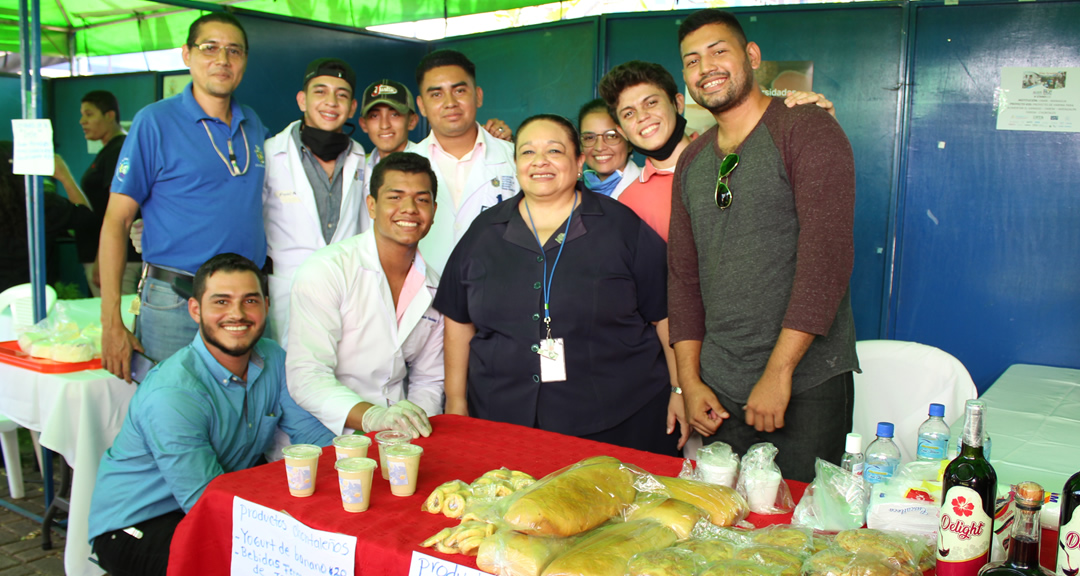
column 271, row 543
column 424, row 565
column 33, row 152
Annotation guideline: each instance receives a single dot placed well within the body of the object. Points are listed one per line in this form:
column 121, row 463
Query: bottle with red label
column 1068, row 552
column 969, row 489
column 1026, row 530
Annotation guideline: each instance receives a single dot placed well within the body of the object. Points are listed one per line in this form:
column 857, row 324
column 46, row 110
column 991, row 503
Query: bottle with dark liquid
column 1068, row 553
column 1024, row 547
column 969, row 489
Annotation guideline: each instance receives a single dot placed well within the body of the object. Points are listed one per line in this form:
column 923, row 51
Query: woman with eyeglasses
column 607, row 153
column 555, row 303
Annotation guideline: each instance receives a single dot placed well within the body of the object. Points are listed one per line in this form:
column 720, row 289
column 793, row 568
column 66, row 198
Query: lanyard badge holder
column 551, row 350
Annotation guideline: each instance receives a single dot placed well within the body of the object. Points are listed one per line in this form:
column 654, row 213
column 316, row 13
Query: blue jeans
column 163, row 325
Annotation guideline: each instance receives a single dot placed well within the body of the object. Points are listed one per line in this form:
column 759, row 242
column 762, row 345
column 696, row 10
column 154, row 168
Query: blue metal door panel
column 990, row 227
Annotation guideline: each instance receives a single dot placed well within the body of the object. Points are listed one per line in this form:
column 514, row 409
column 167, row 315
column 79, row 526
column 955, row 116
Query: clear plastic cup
column 389, row 438
column 403, row 467
column 301, row 466
column 351, row 446
column 354, row 478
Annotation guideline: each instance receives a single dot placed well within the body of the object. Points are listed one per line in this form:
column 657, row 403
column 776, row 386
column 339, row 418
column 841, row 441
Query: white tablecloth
column 1033, row 417
column 78, row 414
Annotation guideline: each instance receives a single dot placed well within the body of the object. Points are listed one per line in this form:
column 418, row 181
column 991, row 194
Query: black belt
column 180, row 282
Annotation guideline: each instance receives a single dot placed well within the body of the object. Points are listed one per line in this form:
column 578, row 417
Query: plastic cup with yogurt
column 403, row 467
column 301, row 465
column 389, row 438
column 354, row 478
column 351, row 446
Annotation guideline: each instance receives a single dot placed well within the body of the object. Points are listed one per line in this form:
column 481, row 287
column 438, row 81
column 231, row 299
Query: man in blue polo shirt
column 194, row 164
column 211, row 408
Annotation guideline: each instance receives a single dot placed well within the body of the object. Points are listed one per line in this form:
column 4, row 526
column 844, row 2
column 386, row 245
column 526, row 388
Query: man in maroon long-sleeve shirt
column 760, row 264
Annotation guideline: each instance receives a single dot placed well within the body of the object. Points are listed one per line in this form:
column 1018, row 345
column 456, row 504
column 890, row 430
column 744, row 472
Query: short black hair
column 597, row 105
column 441, row 58
column 104, row 101
column 227, row 262
column 567, row 125
column 634, row 73
column 711, row 16
column 406, row 162
column 222, row 17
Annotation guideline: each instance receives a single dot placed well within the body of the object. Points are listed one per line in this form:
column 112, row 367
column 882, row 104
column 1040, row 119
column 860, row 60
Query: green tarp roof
column 104, row 27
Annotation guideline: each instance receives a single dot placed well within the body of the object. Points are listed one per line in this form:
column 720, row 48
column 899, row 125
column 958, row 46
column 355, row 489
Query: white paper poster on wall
column 1039, row 99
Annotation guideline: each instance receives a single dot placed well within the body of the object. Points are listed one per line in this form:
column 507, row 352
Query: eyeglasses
column 211, row 50
column 588, row 139
column 722, row 196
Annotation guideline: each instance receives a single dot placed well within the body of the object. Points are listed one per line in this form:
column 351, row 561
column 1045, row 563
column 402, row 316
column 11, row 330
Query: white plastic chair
column 21, row 300
column 9, row 442
column 898, row 383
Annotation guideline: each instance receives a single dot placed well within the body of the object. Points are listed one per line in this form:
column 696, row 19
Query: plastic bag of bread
column 707, row 531
column 840, row 562
column 738, row 568
column 793, row 538
column 710, row 550
column 572, row 500
column 788, row 563
column 666, row 562
column 675, row 514
column 722, row 504
column 605, row 551
column 510, row 553
column 899, row 548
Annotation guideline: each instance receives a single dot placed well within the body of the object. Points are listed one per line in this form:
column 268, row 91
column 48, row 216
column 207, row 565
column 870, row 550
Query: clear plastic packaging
column 739, row 568
column 572, row 500
column 605, row 551
column 762, row 484
column 785, row 561
column 903, row 551
column 710, row 550
column 666, row 562
column 717, row 463
column 60, row 339
column 836, row 500
column 510, row 553
column 797, row 539
column 677, row 515
column 840, row 562
column 724, row 506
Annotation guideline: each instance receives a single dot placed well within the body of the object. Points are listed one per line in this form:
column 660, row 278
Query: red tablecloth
column 393, row 527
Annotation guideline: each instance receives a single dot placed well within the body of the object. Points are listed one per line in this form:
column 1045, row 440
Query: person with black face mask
column 314, row 192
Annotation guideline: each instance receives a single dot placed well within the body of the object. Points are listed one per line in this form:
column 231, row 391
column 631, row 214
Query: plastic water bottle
column 882, row 455
column 933, row 435
column 853, row 457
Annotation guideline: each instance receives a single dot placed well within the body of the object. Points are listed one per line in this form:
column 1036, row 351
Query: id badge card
column 552, row 360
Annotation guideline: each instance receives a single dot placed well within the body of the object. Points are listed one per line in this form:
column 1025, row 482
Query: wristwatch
column 676, row 390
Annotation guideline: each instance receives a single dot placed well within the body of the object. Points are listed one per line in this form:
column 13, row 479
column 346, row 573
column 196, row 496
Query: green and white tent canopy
column 105, row 27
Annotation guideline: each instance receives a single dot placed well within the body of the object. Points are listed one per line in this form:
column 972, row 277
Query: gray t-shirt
column 327, row 190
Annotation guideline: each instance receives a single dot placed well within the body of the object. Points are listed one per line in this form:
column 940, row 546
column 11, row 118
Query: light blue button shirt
column 190, row 421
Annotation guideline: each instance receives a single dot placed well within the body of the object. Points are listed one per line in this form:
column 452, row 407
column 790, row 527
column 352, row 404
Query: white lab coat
column 630, row 173
column 346, row 345
column 372, row 159
column 492, row 179
column 293, row 229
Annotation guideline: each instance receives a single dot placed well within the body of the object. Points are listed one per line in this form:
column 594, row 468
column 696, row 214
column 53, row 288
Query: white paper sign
column 271, row 543
column 1039, row 99
column 33, row 147
column 424, row 565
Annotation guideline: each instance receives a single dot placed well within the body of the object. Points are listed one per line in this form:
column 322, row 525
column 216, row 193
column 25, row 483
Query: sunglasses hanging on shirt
column 230, row 163
column 722, row 195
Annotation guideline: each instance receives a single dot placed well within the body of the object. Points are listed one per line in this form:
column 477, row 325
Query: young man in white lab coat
column 475, row 170
column 362, row 319
column 314, row 190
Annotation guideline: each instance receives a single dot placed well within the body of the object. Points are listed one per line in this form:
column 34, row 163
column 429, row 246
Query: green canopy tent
column 106, row 27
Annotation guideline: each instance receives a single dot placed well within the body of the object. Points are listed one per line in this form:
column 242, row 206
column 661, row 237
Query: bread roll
column 605, row 551
column 723, row 505
column 666, row 562
column 510, row 553
column 675, row 514
column 580, row 498
column 787, row 563
column 738, row 568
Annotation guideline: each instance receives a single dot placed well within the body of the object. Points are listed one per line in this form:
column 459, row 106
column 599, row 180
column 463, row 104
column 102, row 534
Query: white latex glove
column 136, row 235
column 403, row 417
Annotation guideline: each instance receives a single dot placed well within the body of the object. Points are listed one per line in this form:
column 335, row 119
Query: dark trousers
column 816, row 424
column 645, row 429
column 122, row 554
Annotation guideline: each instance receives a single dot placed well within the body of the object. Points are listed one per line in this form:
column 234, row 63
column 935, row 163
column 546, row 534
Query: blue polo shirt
column 192, row 206
column 190, row 421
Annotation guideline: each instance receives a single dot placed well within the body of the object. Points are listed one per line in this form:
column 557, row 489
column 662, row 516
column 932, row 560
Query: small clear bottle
column 933, row 435
column 882, row 455
column 853, row 459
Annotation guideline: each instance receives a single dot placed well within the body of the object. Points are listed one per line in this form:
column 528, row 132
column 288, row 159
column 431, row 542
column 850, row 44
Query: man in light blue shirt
column 209, row 409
